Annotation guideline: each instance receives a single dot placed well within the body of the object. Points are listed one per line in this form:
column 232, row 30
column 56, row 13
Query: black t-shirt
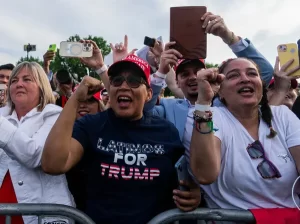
column 130, row 166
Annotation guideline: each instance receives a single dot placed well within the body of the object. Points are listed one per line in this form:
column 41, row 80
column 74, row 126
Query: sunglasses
column 266, row 168
column 131, row 80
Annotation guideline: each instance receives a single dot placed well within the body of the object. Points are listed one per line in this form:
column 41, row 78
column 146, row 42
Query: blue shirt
column 130, row 166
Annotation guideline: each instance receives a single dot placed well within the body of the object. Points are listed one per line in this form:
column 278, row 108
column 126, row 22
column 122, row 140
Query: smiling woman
column 245, row 145
column 24, row 125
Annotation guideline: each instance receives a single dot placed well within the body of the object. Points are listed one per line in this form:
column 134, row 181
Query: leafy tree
column 31, row 59
column 73, row 65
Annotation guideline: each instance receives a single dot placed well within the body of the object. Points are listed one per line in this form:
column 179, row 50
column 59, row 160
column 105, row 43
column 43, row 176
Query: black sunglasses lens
column 254, row 152
column 134, row 81
column 117, row 80
column 268, row 170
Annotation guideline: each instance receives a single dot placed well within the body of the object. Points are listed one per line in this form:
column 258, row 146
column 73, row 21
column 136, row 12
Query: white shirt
column 239, row 184
column 21, row 147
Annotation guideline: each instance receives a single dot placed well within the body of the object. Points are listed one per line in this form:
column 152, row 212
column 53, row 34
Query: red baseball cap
column 294, row 83
column 128, row 62
column 96, row 96
column 182, row 62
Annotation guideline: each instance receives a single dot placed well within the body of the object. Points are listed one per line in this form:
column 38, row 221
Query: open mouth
column 193, row 84
column 82, row 112
column 246, row 90
column 124, row 101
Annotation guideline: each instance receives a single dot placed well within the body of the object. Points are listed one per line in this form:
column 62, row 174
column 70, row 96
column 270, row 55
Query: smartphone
column 186, row 30
column 75, row 49
column 52, row 47
column 150, row 42
column 287, row 52
column 182, row 172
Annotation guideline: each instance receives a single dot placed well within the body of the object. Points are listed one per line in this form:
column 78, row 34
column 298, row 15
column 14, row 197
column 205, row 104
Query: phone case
column 75, row 49
column 287, row 52
column 52, row 47
column 186, row 29
column 182, row 172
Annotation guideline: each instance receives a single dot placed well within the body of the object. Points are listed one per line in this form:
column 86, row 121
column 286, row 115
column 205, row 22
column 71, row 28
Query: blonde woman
column 24, row 126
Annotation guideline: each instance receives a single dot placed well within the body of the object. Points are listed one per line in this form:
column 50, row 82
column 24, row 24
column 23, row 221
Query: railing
column 44, row 211
column 170, row 216
column 173, row 215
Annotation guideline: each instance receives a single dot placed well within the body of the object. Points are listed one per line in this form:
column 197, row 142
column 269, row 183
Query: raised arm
column 168, row 59
column 240, row 47
column 61, row 151
column 205, row 148
column 282, row 83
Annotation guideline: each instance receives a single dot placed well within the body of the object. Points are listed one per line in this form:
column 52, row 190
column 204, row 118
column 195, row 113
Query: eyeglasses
column 266, row 168
column 131, row 80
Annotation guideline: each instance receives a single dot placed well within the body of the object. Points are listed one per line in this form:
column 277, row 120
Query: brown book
column 186, row 29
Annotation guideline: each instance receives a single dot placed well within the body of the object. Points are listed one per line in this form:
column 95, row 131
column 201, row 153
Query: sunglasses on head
column 131, row 80
column 266, row 168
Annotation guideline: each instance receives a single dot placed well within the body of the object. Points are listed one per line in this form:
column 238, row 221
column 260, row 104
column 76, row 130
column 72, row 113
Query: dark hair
column 265, row 110
column 7, row 67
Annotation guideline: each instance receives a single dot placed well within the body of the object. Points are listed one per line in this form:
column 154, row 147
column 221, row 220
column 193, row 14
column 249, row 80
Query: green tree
column 73, row 65
column 31, row 59
column 211, row 65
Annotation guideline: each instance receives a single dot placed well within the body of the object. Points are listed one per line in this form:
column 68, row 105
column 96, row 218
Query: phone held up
column 150, row 42
column 287, row 52
column 182, row 172
column 75, row 49
column 52, row 47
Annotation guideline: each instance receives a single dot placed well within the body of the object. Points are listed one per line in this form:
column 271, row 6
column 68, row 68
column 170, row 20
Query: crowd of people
column 108, row 146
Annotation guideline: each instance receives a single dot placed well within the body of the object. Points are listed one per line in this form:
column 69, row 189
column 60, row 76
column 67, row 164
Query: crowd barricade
column 171, row 216
column 57, row 213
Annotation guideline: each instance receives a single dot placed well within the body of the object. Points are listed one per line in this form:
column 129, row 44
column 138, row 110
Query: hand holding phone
column 182, row 172
column 76, row 49
column 150, row 42
column 287, row 52
column 52, row 47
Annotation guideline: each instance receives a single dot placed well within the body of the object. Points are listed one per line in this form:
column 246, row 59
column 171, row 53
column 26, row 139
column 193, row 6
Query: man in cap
column 65, row 87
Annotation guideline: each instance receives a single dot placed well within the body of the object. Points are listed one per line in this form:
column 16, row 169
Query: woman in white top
column 24, row 126
column 252, row 158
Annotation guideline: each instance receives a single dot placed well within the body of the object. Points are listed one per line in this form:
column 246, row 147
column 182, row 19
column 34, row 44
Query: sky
column 267, row 23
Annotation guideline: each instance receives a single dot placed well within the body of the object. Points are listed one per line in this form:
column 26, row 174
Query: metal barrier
column 41, row 210
column 173, row 215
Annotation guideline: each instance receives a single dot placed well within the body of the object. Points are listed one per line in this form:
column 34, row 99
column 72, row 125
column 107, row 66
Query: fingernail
column 174, row 198
column 175, row 191
column 202, row 18
column 203, row 26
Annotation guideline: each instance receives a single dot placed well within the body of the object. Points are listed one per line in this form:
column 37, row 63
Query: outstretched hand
column 120, row 50
column 283, row 77
column 96, row 61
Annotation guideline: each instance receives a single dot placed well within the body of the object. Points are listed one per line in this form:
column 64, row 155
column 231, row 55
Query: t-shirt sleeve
column 217, row 124
column 80, row 131
column 292, row 126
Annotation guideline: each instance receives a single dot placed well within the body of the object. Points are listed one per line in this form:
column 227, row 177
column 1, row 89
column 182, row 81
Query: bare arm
column 61, row 151
column 205, row 156
column 205, row 148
